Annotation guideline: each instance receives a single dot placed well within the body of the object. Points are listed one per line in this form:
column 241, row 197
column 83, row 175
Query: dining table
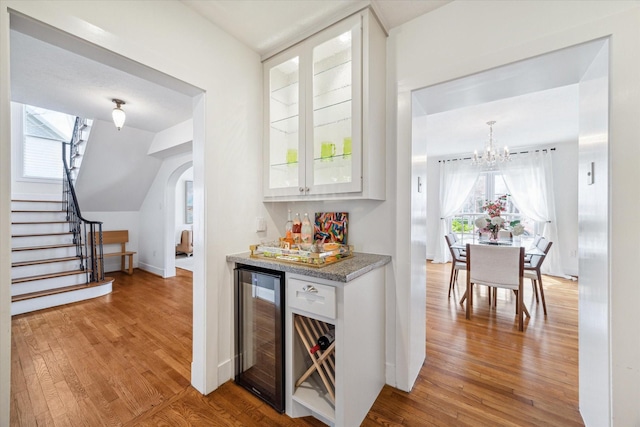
column 529, row 252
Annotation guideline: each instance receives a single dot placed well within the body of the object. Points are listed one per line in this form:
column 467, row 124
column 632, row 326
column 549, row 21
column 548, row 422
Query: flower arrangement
column 496, row 207
column 490, row 224
column 494, row 222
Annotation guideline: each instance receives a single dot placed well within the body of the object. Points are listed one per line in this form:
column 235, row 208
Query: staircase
column 52, row 261
column 46, row 269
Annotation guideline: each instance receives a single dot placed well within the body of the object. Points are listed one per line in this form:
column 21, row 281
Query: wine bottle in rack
column 324, row 341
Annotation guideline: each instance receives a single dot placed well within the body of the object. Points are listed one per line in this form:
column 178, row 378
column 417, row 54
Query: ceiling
column 67, row 75
column 526, row 98
column 534, row 102
column 50, row 77
column 266, row 26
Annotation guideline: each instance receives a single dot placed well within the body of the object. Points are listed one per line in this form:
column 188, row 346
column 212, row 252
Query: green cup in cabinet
column 346, row 146
column 327, row 150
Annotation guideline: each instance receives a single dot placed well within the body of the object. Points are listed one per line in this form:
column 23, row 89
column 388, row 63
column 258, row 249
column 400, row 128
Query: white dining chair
column 498, row 267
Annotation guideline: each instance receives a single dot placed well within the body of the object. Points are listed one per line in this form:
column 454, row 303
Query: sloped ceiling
column 116, row 171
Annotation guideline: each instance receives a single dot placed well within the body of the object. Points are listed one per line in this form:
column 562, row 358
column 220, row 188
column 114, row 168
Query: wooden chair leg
column 535, row 289
column 544, row 304
column 469, row 298
column 519, row 309
column 453, row 269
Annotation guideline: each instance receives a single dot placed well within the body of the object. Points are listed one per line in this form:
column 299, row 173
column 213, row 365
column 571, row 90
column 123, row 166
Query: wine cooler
column 259, row 326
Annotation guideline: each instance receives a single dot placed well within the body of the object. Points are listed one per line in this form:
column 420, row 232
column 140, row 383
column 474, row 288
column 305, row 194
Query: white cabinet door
column 334, row 114
column 284, row 152
column 313, row 115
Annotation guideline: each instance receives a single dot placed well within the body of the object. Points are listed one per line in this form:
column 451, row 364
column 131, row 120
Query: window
column 43, row 132
column 490, row 186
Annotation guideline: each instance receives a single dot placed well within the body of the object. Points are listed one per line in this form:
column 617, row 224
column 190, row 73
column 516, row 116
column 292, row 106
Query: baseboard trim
column 151, row 269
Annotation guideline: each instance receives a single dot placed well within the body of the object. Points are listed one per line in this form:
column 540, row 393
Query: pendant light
column 118, row 114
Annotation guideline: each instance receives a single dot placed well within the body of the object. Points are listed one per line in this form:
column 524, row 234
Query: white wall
column 180, row 218
column 116, row 171
column 168, row 139
column 463, row 38
column 227, row 134
column 565, row 176
column 153, row 215
column 5, row 221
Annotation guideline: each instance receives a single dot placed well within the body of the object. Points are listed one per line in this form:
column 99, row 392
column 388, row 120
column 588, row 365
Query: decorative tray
column 303, row 254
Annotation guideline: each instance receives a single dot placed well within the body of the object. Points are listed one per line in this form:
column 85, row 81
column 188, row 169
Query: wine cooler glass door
column 259, row 335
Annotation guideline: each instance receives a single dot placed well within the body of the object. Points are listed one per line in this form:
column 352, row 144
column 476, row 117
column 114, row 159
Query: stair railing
column 87, row 235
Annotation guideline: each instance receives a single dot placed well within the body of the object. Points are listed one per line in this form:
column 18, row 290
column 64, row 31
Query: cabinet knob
column 310, row 289
column 306, row 189
column 301, row 189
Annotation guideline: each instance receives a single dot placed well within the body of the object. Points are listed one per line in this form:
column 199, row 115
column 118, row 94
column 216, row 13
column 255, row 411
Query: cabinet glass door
column 336, row 108
column 284, row 125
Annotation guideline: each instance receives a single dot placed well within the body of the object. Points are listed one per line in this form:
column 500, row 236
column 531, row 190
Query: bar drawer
column 312, row 297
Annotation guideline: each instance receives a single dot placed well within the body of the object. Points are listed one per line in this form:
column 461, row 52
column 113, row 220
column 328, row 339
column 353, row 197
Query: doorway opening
column 96, row 58
column 452, row 115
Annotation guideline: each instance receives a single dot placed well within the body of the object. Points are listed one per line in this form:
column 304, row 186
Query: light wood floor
column 124, row 360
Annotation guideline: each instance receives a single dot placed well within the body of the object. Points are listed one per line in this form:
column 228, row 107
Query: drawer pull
column 310, row 289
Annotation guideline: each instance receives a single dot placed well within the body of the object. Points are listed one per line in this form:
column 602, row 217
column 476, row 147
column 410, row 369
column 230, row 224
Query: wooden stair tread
column 42, row 234
column 48, row 276
column 37, row 211
column 46, row 261
column 55, row 291
column 33, row 248
column 37, row 201
column 40, row 222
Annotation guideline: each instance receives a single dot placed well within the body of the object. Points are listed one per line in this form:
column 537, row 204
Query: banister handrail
column 89, row 250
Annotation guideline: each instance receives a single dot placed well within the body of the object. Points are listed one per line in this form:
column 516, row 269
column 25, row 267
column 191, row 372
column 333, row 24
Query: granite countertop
column 342, row 271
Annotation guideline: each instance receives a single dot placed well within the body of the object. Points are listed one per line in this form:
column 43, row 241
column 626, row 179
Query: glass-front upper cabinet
column 285, row 121
column 335, row 111
column 314, row 116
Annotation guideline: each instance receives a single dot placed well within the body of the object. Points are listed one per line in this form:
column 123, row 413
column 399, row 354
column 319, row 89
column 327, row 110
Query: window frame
column 19, row 126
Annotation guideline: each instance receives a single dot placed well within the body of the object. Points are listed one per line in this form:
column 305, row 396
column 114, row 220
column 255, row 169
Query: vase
column 494, row 236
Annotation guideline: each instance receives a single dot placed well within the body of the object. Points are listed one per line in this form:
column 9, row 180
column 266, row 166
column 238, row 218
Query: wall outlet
column 261, row 224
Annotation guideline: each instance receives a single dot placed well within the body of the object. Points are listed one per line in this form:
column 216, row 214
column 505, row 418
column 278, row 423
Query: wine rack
column 322, row 361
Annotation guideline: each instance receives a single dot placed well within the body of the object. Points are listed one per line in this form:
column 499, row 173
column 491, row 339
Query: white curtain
column 529, row 180
column 457, row 179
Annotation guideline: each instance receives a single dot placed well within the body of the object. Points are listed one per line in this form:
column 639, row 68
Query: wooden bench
column 120, row 237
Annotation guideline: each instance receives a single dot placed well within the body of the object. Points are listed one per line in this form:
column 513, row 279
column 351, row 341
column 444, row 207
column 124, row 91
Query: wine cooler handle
column 310, row 289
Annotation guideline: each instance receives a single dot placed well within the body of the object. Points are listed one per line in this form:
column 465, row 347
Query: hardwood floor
column 124, row 360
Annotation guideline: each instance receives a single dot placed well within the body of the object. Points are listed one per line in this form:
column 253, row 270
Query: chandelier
column 490, row 156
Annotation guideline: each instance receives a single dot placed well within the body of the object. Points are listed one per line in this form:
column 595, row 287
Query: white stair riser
column 45, row 284
column 34, row 304
column 33, row 228
column 30, row 241
column 36, row 206
column 49, row 268
column 38, row 216
column 20, row 256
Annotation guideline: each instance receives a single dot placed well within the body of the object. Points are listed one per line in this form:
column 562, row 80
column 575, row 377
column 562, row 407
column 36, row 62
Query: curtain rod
column 517, row 152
